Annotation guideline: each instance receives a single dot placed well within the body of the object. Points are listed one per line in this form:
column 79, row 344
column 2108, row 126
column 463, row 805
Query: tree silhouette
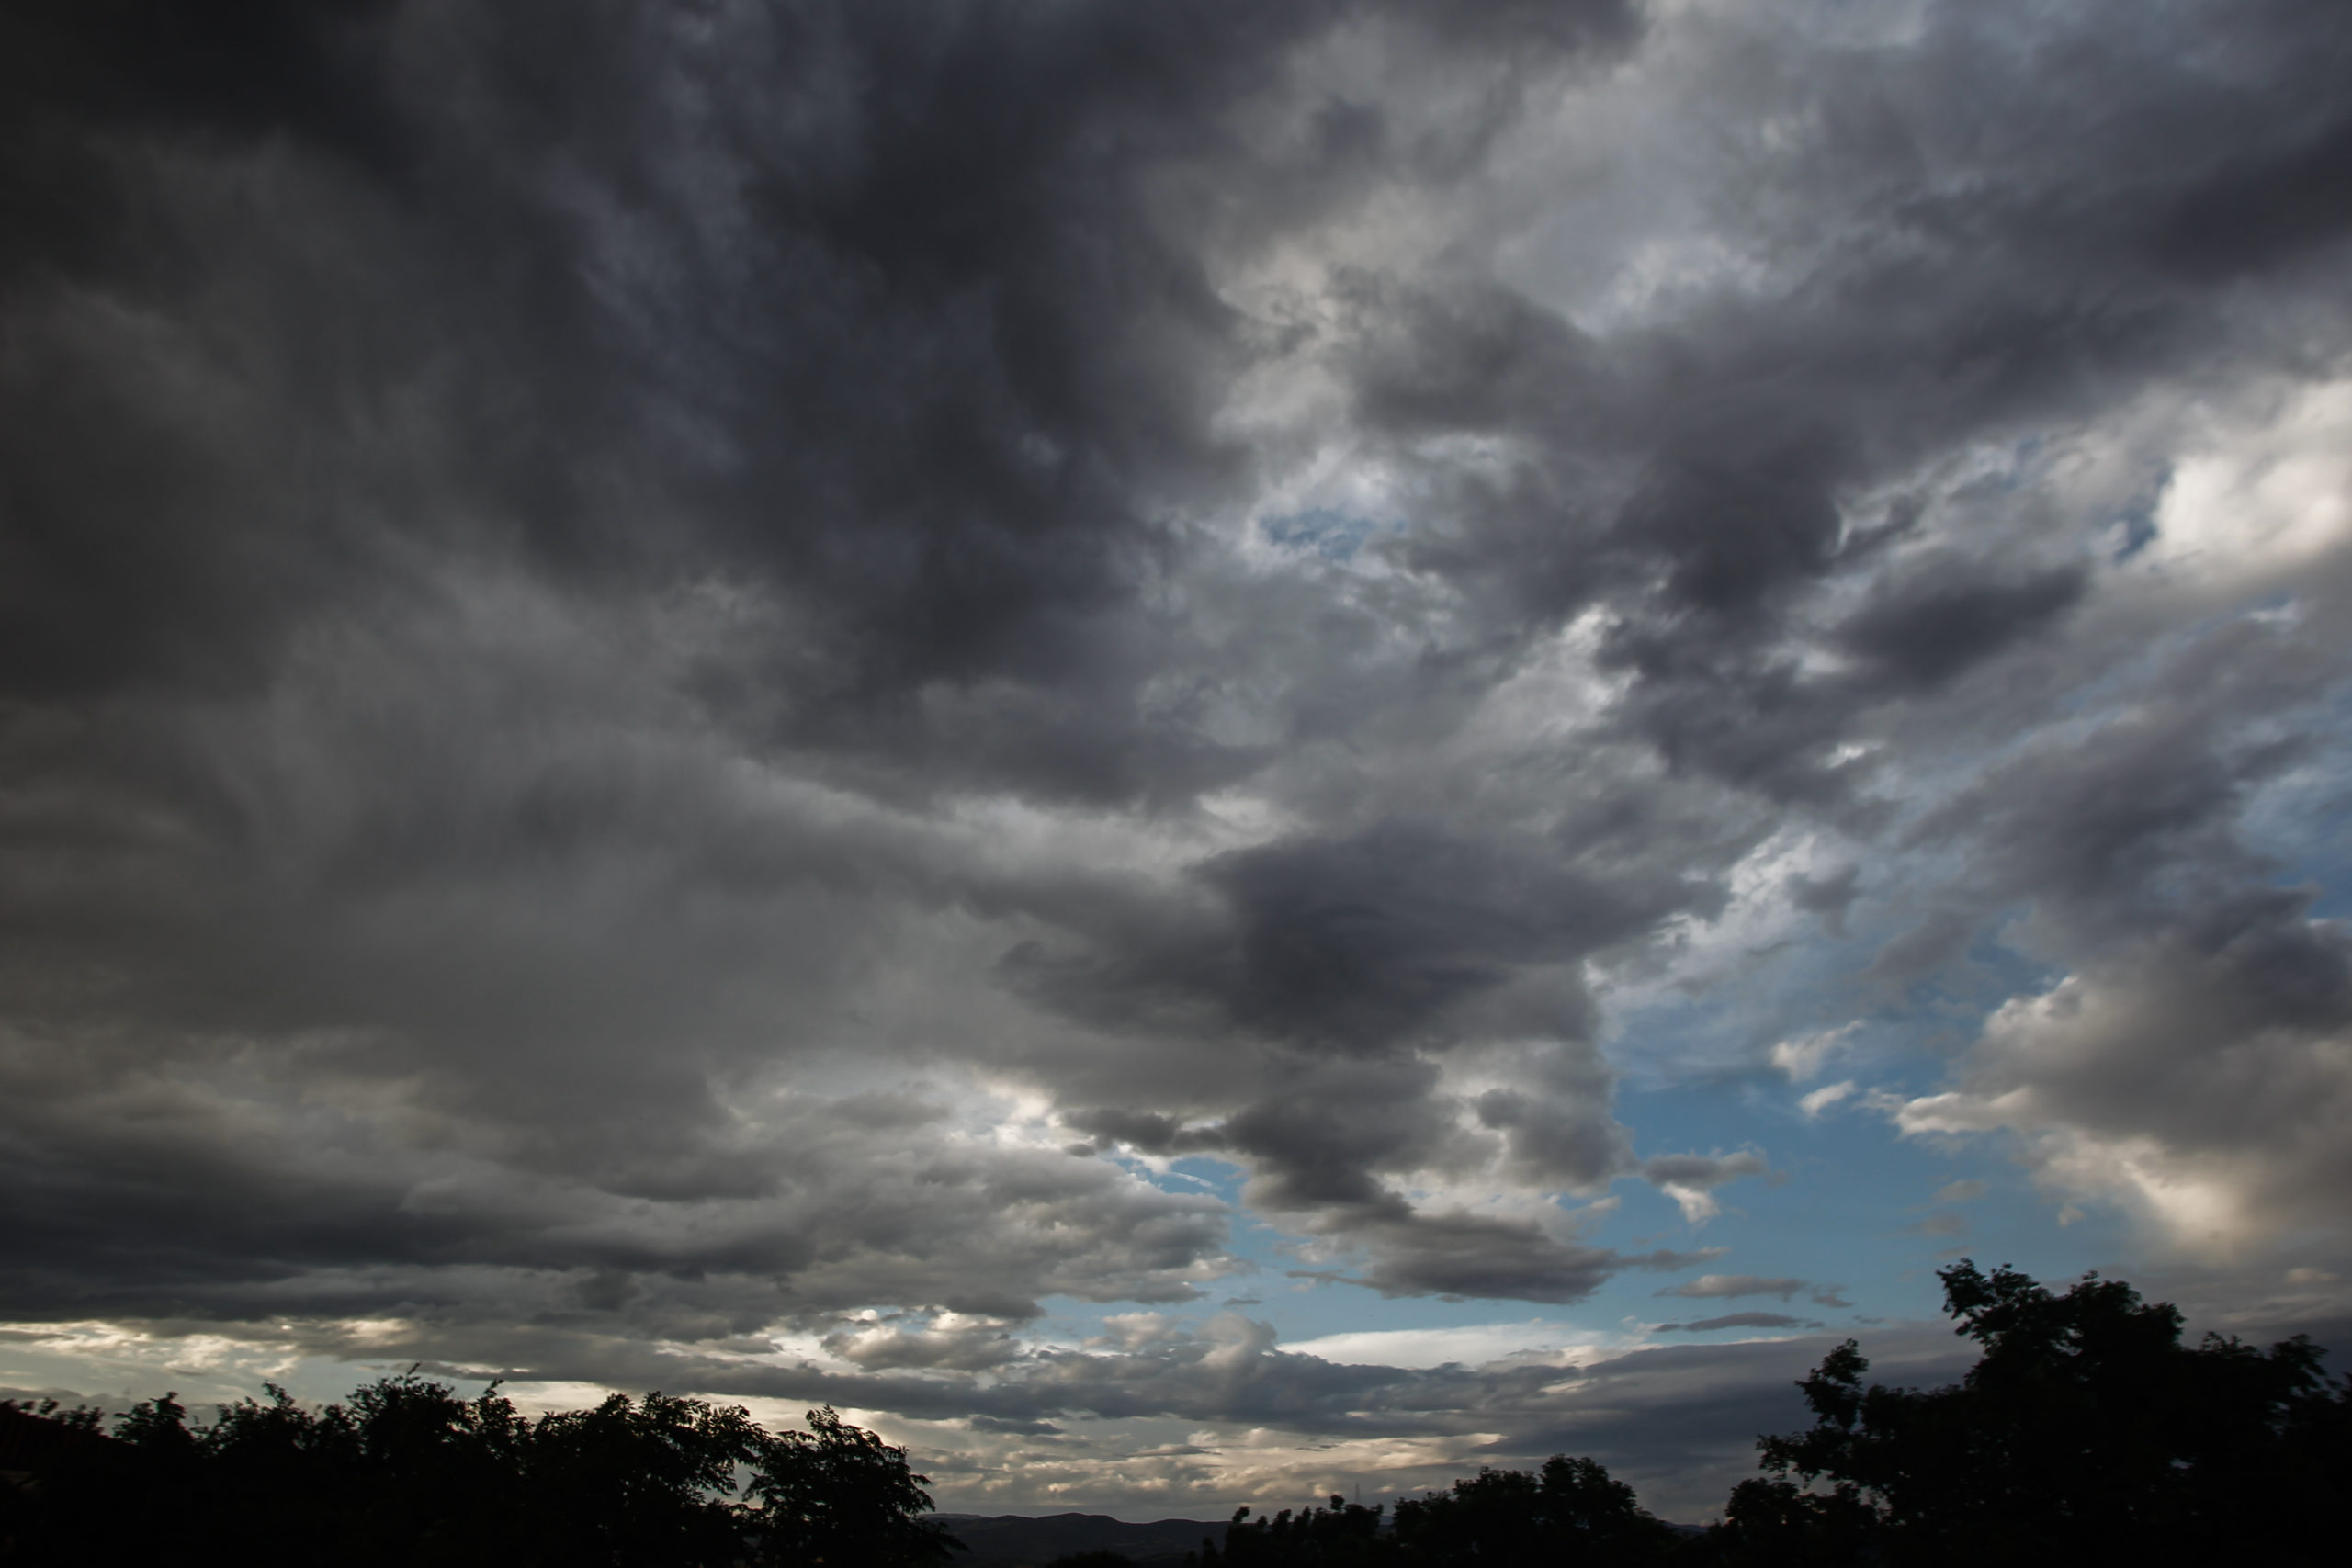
column 1344, row 1533
column 838, row 1493
column 407, row 1472
column 2087, row 1433
column 638, row 1482
column 1569, row 1511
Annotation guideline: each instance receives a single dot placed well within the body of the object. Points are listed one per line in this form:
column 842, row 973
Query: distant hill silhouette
column 1013, row 1540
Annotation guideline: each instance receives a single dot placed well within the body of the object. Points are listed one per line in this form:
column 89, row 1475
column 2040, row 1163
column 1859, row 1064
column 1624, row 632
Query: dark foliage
column 406, row 1472
column 2087, row 1434
column 1568, row 1513
column 838, row 1493
column 1343, row 1533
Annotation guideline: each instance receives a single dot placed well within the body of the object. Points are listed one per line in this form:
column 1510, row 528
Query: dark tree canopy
column 1570, row 1512
column 1344, row 1533
column 2086, row 1434
column 838, row 1493
column 406, row 1472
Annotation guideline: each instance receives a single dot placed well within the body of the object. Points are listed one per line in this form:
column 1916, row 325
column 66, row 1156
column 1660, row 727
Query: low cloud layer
column 935, row 685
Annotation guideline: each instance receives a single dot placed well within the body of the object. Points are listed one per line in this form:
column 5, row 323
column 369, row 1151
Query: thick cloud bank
column 863, row 700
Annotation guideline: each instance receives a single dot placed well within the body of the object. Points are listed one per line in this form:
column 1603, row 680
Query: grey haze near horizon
column 688, row 688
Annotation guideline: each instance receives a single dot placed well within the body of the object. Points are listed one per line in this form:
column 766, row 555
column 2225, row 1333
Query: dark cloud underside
column 673, row 674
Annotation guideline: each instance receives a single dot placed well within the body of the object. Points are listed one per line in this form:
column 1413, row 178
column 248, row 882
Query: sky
column 1203, row 754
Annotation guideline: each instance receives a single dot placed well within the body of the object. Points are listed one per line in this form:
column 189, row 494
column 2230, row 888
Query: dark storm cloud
column 2262, row 208
column 1349, row 951
column 829, row 1207
column 1361, row 943
column 1328, row 1143
column 1938, row 625
column 1461, row 1256
column 1981, row 280
column 640, row 642
column 940, row 440
column 446, row 445
column 1370, row 939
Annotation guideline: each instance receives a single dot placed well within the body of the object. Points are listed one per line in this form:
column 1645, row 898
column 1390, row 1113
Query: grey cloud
column 1741, row 507
column 1463, row 1255
column 1564, row 1139
column 961, row 1347
column 1702, row 1170
column 616, row 617
column 1022, row 1429
column 2262, row 209
column 2211, row 1049
column 1713, row 1287
column 1692, row 1179
column 363, row 450
column 1928, row 631
column 1828, row 898
column 945, row 310
column 836, row 1212
column 1325, row 1142
column 1358, row 942
column 1147, row 1131
column 1348, row 951
column 1372, row 938
column 1738, row 1320
column 1680, row 1421
column 1362, row 941
column 2095, row 827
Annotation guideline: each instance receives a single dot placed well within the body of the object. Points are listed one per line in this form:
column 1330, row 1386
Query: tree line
column 2086, row 1434
column 407, row 1474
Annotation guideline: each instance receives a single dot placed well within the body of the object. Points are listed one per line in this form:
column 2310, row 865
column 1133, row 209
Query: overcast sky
column 1202, row 751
